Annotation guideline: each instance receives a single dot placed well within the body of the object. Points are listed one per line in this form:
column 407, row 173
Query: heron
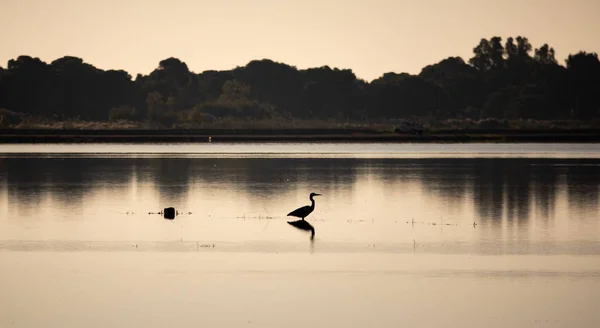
column 304, row 211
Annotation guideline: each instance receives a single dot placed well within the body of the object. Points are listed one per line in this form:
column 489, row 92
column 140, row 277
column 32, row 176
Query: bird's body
column 304, row 211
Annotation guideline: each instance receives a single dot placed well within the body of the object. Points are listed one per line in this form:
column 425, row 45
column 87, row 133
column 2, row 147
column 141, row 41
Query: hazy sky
column 370, row 37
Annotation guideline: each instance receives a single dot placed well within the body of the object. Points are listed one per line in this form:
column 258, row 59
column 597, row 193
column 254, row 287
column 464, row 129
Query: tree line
column 504, row 79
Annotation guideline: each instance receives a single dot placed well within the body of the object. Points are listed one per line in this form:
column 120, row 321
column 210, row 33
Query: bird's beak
column 317, row 194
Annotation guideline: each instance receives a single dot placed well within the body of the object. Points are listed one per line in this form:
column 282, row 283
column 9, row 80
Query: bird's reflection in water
column 304, row 225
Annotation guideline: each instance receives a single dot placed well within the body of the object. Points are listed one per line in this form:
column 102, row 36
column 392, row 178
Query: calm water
column 446, row 235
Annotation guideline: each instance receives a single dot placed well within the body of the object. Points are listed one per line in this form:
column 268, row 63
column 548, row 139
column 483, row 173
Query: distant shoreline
column 295, row 135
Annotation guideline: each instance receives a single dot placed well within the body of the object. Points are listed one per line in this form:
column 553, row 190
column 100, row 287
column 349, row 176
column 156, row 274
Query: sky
column 371, row 37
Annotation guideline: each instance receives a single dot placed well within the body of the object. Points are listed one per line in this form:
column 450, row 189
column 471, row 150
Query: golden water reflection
column 514, row 205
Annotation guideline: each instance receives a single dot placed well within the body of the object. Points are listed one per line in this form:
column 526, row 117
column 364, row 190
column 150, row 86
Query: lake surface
column 415, row 235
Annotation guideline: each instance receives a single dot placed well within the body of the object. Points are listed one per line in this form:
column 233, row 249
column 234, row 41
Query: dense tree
column 461, row 82
column 520, row 86
column 273, row 83
column 172, row 79
column 482, row 59
column 333, row 93
column 497, row 52
column 584, row 84
column 508, row 79
column 210, row 84
column 404, row 95
column 27, row 86
column 510, row 49
column 545, row 55
column 523, row 48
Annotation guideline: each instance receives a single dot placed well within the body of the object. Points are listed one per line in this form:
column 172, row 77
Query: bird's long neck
column 312, row 202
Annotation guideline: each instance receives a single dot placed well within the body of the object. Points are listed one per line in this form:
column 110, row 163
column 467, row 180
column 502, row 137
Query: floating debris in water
column 413, row 222
column 198, row 245
column 169, row 213
column 351, row 220
column 259, row 217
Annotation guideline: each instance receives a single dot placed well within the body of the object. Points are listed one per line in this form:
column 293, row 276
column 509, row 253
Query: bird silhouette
column 304, row 211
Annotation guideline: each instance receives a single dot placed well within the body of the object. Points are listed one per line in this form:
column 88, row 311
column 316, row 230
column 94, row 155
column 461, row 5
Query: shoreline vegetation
column 508, row 91
column 305, row 131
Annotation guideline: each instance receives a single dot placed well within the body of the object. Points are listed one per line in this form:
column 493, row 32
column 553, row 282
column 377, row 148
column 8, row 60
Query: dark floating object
column 304, row 211
column 169, row 213
column 303, row 225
